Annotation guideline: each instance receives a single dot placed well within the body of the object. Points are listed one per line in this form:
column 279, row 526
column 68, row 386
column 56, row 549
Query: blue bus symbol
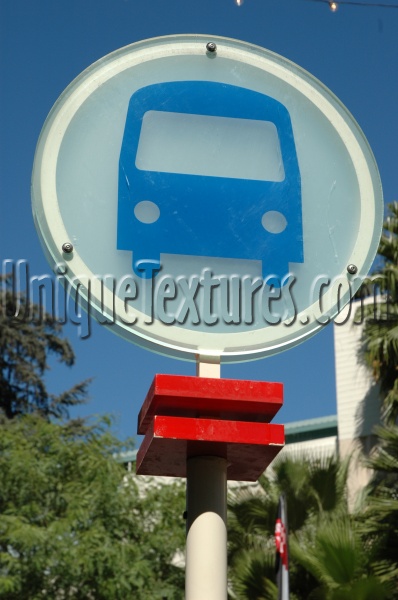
column 209, row 169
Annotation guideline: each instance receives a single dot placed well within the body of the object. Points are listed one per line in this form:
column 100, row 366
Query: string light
column 333, row 5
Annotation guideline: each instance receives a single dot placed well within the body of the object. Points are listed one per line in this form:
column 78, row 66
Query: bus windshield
column 190, row 144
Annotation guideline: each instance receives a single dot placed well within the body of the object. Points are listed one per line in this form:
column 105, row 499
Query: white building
column 350, row 431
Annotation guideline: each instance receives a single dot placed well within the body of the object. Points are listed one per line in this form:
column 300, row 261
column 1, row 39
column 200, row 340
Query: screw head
column 352, row 269
column 67, row 247
column 211, row 47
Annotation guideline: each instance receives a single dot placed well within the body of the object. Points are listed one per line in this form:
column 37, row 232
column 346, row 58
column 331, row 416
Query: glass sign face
column 222, row 205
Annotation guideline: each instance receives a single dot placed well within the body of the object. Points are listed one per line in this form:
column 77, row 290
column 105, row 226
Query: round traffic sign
column 207, row 196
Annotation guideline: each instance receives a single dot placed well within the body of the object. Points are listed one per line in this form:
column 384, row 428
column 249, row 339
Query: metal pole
column 206, row 547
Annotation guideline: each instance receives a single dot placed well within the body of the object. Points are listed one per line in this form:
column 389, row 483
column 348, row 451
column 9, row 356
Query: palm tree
column 380, row 334
column 379, row 521
column 333, row 555
column 313, row 489
column 338, row 560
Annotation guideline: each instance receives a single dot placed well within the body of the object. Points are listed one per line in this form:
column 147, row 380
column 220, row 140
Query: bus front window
column 190, row 144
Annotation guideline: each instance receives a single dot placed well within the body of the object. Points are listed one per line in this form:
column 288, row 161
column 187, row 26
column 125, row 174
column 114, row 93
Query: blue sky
column 45, row 44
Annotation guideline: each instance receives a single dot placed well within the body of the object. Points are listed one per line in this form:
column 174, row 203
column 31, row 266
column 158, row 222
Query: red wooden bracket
column 233, row 399
column 249, row 447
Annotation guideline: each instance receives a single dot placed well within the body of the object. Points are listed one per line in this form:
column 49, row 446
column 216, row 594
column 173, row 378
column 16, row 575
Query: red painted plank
column 177, row 395
column 170, row 441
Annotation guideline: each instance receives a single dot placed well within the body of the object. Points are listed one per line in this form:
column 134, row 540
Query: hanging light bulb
column 239, row 2
column 333, row 6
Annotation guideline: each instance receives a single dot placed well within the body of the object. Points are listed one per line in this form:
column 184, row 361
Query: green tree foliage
column 74, row 524
column 314, row 489
column 379, row 521
column 380, row 334
column 342, row 567
column 332, row 556
column 28, row 336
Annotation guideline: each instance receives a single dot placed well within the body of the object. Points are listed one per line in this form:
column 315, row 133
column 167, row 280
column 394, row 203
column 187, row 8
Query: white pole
column 206, row 547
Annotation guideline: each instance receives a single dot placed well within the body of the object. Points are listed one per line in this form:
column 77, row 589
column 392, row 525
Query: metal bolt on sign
column 352, row 269
column 211, row 47
column 67, row 247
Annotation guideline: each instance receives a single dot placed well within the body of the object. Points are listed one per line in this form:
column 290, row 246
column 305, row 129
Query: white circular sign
column 216, row 203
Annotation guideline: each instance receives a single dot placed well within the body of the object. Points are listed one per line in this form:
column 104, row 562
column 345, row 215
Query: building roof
column 311, row 429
